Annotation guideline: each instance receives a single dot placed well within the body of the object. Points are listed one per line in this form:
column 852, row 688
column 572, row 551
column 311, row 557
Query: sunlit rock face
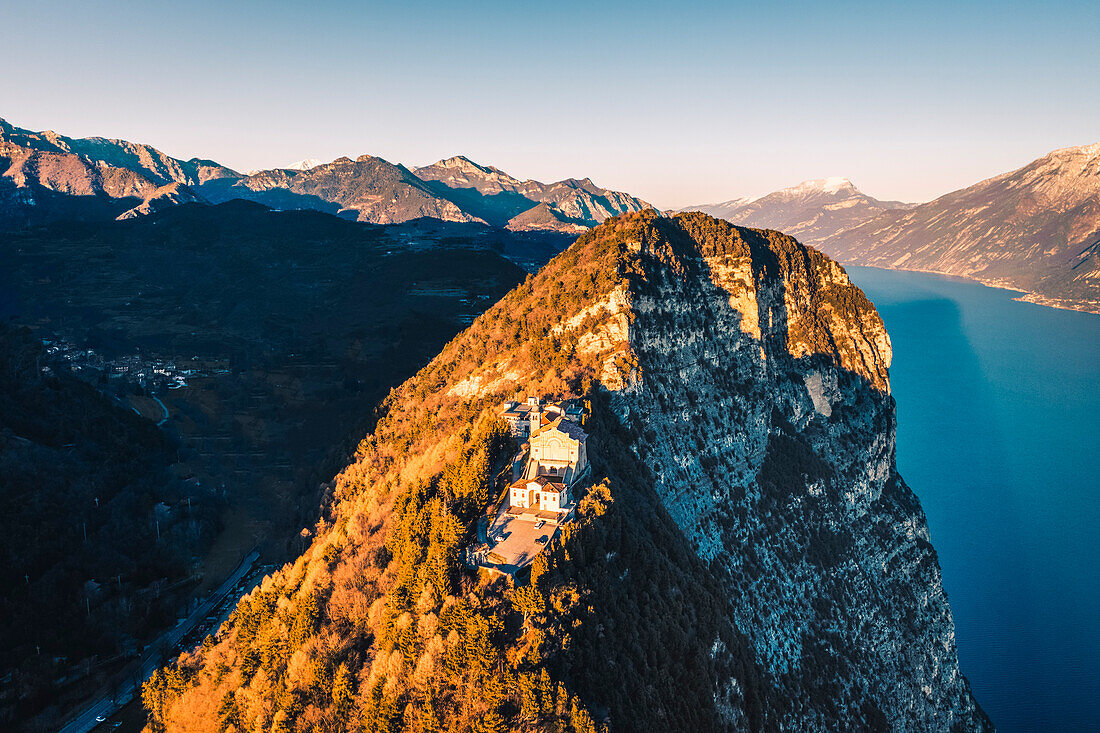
column 753, row 378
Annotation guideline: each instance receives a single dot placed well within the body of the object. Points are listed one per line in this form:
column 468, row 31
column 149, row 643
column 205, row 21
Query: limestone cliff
column 746, row 558
column 761, row 403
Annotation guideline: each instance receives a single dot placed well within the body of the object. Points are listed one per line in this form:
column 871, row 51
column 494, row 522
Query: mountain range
column 1035, row 229
column 571, row 205
column 47, row 177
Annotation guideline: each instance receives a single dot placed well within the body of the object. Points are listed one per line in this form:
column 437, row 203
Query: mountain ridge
column 567, row 205
column 368, row 189
column 104, row 178
column 1032, row 229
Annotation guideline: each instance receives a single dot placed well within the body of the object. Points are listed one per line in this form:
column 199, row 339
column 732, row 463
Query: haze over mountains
column 1035, row 229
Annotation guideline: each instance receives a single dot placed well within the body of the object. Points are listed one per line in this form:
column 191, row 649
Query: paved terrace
column 520, row 545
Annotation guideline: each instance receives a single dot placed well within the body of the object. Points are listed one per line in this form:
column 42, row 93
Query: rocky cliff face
column 761, row 402
column 747, row 559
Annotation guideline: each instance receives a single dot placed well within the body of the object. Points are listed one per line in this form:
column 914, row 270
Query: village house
column 521, row 416
column 540, row 494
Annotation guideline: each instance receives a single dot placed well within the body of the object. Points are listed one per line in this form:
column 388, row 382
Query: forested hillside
column 288, row 327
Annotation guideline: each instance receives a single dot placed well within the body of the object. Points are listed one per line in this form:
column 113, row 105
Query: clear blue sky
column 679, row 103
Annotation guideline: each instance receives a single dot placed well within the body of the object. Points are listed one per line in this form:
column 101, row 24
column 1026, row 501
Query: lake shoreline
column 1025, row 296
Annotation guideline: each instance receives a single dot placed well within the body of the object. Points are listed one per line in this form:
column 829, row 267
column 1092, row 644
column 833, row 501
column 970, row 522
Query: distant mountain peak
column 833, row 184
column 459, row 169
column 1025, row 229
column 811, row 210
column 304, row 165
column 461, row 162
column 1072, row 151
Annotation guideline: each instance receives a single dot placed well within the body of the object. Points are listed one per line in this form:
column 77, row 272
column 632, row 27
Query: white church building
column 558, row 456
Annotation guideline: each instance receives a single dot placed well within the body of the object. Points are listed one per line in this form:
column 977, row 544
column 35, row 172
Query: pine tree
column 343, row 692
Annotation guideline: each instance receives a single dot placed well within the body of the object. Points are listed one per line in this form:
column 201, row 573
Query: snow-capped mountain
column 812, row 211
column 304, row 165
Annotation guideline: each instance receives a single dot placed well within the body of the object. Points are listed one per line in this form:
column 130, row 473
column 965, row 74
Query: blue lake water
column 998, row 405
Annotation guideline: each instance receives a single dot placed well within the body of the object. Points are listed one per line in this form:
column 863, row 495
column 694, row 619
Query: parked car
column 539, row 524
column 543, row 540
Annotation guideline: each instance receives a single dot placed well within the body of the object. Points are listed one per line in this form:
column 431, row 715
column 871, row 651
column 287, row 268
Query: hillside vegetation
column 294, row 325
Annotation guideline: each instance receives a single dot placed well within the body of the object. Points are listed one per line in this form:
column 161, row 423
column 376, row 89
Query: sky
column 678, row 103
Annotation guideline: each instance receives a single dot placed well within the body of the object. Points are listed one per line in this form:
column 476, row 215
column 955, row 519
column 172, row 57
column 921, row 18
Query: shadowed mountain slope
column 569, row 206
column 290, row 327
column 366, row 189
column 48, row 177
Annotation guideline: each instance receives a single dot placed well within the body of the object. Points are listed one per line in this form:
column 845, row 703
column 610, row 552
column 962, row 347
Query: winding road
column 108, row 704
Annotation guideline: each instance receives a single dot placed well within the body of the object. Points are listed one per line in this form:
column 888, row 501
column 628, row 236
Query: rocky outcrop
column 761, row 403
column 545, row 217
column 754, row 379
column 747, row 558
column 170, row 194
